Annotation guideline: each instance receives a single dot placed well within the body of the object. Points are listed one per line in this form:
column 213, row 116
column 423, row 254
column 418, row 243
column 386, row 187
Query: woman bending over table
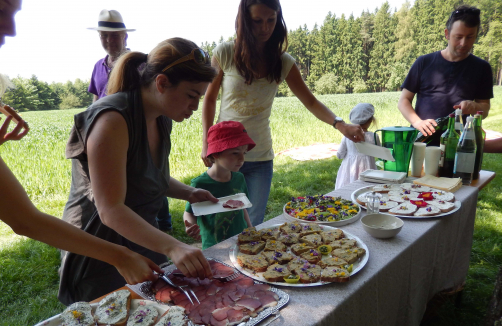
column 250, row 70
column 120, row 151
column 17, row 211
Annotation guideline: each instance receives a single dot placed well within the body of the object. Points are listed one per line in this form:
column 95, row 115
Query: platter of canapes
column 299, row 254
column 410, row 200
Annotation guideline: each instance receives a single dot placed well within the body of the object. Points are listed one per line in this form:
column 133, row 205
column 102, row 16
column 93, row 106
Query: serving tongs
column 219, row 278
column 179, row 287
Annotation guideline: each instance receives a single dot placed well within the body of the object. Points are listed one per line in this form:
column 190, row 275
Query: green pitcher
column 399, row 140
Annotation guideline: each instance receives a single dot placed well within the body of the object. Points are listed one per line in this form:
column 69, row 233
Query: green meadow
column 28, row 269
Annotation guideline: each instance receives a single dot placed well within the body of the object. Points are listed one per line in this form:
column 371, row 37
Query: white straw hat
column 110, row 21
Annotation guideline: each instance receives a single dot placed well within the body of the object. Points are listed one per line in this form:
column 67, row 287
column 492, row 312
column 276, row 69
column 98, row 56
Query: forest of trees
column 373, row 53
column 370, row 53
column 31, row 94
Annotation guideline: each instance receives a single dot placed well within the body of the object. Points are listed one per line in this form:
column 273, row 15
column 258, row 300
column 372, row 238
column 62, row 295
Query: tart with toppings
column 252, row 248
column 279, row 257
column 335, row 274
column 321, row 208
column 276, row 273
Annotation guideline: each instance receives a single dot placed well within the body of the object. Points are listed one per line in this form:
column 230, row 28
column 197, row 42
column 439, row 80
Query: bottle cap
column 471, row 119
column 451, row 115
column 479, row 112
column 458, row 112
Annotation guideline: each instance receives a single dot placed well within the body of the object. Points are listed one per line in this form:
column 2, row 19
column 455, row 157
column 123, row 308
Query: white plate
column 362, row 190
column 208, row 207
column 135, row 303
column 358, row 265
column 335, row 223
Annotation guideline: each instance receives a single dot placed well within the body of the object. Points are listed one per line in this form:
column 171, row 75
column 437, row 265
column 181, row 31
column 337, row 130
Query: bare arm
column 107, row 155
column 246, row 217
column 94, row 98
column 426, row 127
column 22, row 216
column 180, row 190
column 493, row 146
column 471, row 107
column 319, row 110
column 191, row 227
column 209, row 108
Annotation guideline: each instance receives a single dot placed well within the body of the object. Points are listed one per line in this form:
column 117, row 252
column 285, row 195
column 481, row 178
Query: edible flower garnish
column 426, row 196
column 419, row 203
column 76, row 314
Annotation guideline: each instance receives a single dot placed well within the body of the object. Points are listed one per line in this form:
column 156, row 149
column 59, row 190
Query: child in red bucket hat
column 228, row 142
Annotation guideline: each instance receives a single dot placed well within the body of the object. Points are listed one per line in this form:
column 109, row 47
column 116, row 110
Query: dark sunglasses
column 471, row 11
column 198, row 55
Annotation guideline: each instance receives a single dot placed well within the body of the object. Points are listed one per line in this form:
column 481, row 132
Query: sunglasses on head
column 198, row 55
column 472, row 11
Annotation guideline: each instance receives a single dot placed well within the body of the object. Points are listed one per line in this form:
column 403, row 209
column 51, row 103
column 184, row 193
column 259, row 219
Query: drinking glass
column 373, row 203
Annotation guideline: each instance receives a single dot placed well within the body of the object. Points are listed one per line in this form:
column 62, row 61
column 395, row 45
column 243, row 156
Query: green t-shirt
column 217, row 227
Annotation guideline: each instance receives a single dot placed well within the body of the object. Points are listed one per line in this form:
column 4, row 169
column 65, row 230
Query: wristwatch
column 337, row 119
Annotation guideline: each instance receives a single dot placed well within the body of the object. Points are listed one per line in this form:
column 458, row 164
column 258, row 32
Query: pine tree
column 490, row 49
column 367, row 20
column 404, row 47
column 382, row 53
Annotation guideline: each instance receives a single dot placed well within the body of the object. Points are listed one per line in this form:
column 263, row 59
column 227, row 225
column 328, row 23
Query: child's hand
column 192, row 230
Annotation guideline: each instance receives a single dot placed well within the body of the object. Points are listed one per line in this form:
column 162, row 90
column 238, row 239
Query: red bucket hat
column 226, row 135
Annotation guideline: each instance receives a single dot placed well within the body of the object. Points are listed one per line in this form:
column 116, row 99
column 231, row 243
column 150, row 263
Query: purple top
column 99, row 78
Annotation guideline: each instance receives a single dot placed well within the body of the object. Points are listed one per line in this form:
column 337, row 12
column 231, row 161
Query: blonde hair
column 126, row 74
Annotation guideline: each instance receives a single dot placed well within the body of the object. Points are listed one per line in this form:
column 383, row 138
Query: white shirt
column 250, row 105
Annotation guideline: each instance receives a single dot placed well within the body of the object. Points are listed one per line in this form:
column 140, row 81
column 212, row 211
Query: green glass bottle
column 480, row 143
column 441, row 125
column 449, row 142
column 466, row 154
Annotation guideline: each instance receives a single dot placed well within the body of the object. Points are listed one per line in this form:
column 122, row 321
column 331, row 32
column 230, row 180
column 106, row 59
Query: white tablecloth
column 402, row 274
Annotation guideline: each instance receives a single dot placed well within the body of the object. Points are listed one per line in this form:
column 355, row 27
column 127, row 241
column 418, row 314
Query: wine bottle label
column 459, row 126
column 464, row 162
column 441, row 160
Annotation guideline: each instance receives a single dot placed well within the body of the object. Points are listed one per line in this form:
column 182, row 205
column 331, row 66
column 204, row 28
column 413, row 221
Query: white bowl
column 382, row 226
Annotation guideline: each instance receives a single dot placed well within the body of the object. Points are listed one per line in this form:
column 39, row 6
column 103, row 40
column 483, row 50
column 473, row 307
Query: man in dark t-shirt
column 448, row 79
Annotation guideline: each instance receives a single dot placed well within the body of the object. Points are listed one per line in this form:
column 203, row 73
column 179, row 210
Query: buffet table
column 401, row 276
column 402, row 273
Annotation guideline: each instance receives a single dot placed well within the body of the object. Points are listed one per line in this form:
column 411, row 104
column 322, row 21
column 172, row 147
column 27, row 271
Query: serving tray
column 144, row 290
column 362, row 190
column 135, row 303
column 358, row 265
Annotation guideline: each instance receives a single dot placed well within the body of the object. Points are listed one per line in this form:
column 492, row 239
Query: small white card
column 208, row 207
column 375, row 151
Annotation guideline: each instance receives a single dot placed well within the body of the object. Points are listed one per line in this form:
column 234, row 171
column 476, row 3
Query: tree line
column 373, row 53
column 31, row 94
column 370, row 53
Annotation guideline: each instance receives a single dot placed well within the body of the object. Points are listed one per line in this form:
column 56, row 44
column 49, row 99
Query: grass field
column 28, row 269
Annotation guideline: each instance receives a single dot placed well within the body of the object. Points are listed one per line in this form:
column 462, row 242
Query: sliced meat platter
column 221, row 303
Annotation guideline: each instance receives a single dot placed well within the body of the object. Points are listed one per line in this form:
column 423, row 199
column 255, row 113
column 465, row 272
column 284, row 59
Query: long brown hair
column 245, row 53
column 129, row 74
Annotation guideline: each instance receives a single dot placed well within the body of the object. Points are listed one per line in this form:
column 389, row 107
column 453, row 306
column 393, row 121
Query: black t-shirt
column 440, row 84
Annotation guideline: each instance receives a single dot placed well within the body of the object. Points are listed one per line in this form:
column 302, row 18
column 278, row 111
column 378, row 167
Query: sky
column 54, row 44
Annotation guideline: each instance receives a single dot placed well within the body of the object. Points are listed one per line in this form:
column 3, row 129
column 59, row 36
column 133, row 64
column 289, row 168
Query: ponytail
column 125, row 75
